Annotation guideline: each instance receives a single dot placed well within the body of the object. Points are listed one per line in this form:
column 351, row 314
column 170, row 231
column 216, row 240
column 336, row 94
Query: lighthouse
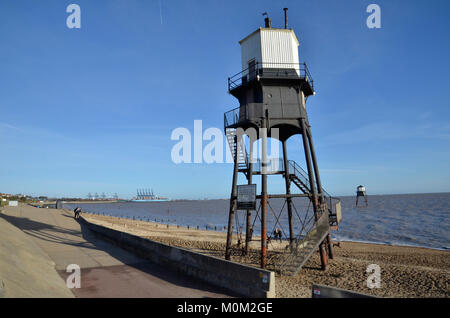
column 361, row 192
column 272, row 89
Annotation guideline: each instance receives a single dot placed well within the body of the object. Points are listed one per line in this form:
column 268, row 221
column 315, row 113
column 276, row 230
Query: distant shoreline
column 213, row 199
column 190, row 200
column 92, row 201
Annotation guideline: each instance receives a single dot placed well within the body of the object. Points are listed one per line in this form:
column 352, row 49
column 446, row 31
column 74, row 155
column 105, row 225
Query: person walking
column 277, row 234
column 77, row 212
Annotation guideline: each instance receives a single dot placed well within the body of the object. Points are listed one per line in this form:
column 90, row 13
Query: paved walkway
column 106, row 270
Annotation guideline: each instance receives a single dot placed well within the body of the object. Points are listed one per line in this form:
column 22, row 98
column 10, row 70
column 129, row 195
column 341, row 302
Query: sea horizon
column 419, row 220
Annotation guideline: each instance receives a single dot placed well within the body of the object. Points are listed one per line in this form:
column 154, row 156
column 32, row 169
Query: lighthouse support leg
column 248, row 230
column 233, row 203
column 288, row 191
column 264, row 195
column 320, row 190
column 323, row 255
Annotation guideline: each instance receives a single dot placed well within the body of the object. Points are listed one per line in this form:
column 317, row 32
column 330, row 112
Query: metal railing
column 332, row 202
column 231, row 117
column 270, row 70
column 295, row 169
column 304, row 247
column 252, row 113
column 276, row 165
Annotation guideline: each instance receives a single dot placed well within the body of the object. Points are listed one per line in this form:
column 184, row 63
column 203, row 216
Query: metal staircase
column 239, row 147
column 303, row 247
column 300, row 178
column 297, row 175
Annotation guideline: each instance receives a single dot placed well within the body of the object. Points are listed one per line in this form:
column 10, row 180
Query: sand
column 405, row 271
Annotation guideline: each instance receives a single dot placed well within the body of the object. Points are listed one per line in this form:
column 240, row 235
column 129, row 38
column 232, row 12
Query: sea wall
column 240, row 279
column 25, row 269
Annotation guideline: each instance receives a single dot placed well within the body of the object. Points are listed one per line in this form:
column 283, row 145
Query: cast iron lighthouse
column 272, row 89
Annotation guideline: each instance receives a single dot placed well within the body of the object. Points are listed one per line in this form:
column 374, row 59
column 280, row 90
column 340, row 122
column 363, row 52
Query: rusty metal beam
column 248, row 229
column 323, row 255
column 264, row 193
column 288, row 192
column 233, row 205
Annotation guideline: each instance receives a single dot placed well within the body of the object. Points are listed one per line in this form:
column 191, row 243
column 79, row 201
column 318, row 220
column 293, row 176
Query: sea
column 401, row 219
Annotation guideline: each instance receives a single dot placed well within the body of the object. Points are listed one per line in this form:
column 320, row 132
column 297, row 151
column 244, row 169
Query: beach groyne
column 240, row 279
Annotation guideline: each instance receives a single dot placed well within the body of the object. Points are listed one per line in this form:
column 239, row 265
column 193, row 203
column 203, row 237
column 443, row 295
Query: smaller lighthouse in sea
column 361, row 192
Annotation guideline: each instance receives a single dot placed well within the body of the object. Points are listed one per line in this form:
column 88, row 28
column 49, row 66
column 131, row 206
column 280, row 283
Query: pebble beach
column 405, row 271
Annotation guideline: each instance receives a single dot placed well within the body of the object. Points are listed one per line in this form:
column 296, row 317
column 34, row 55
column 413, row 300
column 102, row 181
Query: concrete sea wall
column 240, row 279
column 25, row 269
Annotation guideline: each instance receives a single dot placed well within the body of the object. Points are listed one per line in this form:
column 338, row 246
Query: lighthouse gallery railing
column 270, row 70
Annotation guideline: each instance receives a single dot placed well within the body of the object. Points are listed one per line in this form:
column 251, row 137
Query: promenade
column 106, row 270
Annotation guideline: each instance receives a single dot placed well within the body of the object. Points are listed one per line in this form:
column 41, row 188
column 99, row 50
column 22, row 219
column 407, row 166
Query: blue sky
column 92, row 109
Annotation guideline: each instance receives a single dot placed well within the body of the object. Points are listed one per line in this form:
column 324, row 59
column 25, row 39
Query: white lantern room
column 270, row 48
column 361, row 189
